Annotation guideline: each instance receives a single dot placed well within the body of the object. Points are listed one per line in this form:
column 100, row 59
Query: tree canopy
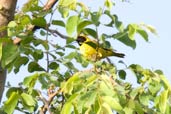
column 42, row 38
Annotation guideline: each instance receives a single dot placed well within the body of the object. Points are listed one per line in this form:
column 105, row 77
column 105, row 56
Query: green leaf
column 131, row 31
column 43, row 33
column 28, row 102
column 31, row 5
column 150, row 28
column 9, row 49
column 25, row 19
column 12, row 24
column 143, row 33
column 68, row 107
column 108, row 4
column 163, row 101
column 40, row 22
column 43, row 80
column 91, row 80
column 34, row 66
column 53, row 65
column 11, row 103
column 84, row 8
column 28, row 99
column 30, row 81
column 128, row 110
column 87, row 99
column 82, row 25
column 19, row 62
column 106, row 88
column 122, row 37
column 67, row 87
column 113, row 103
column 38, row 54
column 95, row 16
column 144, row 99
column 64, row 11
column 139, row 108
column 122, row 74
column 80, row 59
column 58, row 22
column 106, row 109
column 70, row 56
column 69, row 40
column 135, row 92
column 68, row 3
column 91, row 32
column 118, row 24
column 154, row 87
column 71, row 25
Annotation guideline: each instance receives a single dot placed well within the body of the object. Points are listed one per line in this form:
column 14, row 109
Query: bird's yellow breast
column 89, row 52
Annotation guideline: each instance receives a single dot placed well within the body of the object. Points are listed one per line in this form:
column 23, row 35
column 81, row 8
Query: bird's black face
column 80, row 40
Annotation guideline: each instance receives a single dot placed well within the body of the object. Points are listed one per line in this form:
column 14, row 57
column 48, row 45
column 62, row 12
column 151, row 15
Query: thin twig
column 47, row 102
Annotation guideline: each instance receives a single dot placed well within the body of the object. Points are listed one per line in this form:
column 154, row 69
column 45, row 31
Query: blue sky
column 154, row 54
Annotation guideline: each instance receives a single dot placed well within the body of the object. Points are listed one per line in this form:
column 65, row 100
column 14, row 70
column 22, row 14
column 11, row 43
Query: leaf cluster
column 71, row 83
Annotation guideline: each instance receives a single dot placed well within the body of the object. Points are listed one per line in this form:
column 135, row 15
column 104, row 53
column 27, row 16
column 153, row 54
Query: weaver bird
column 91, row 50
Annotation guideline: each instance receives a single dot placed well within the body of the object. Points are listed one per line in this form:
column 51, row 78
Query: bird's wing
column 92, row 44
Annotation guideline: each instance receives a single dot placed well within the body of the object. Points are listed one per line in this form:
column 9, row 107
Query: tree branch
column 7, row 10
column 49, row 4
column 47, row 102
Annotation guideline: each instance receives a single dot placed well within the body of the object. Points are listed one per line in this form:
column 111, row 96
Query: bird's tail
column 121, row 55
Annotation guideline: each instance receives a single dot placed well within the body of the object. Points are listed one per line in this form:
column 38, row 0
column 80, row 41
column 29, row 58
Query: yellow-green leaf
column 71, row 25
column 163, row 101
column 28, row 99
column 108, row 4
column 113, row 103
column 11, row 103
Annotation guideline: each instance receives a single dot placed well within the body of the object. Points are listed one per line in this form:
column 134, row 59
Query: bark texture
column 7, row 10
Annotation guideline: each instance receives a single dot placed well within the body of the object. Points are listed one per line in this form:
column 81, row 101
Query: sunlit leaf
column 68, row 107
column 64, row 11
column 28, row 99
column 28, row 102
column 106, row 108
column 113, row 103
column 31, row 5
column 67, row 3
column 163, row 100
column 11, row 103
column 30, row 81
column 84, row 8
column 68, row 86
column 144, row 99
column 71, row 25
column 131, row 31
column 108, row 4
column 9, row 49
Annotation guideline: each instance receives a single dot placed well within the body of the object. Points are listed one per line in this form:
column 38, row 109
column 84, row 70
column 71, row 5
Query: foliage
column 96, row 88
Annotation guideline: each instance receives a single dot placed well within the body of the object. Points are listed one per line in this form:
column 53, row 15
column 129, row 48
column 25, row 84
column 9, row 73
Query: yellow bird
column 94, row 51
